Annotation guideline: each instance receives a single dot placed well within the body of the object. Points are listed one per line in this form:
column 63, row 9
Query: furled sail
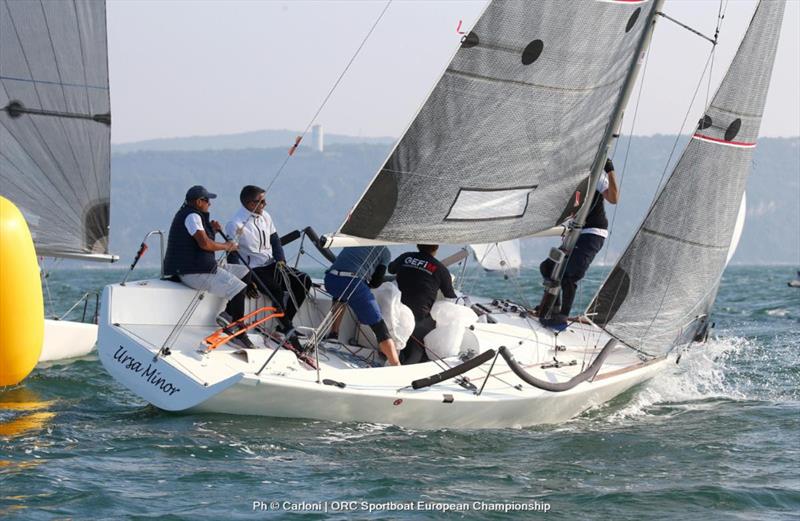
column 55, row 123
column 660, row 292
column 512, row 128
column 498, row 256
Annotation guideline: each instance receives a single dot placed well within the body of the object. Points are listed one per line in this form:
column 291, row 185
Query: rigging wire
column 723, row 7
column 708, row 67
column 666, row 167
column 327, row 97
column 628, row 147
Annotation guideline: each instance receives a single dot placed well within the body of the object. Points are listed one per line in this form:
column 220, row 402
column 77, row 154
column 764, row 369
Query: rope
column 327, row 97
column 720, row 17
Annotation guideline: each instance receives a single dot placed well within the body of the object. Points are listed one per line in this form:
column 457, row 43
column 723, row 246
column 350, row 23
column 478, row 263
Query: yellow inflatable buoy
column 21, row 306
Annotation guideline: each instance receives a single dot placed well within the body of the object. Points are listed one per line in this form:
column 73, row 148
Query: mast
column 611, row 130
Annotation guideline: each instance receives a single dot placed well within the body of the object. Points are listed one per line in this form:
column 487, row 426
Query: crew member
column 589, row 243
column 190, row 255
column 260, row 245
column 420, row 277
column 349, row 280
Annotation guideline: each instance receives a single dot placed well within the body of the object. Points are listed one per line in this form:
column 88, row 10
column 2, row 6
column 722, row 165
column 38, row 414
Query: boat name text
column 148, row 372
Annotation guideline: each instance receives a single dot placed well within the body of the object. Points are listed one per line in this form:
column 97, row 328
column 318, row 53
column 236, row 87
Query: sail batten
column 525, row 103
column 55, row 123
column 661, row 290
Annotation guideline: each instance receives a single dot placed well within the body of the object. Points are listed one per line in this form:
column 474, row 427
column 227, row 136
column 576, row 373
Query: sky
column 186, row 68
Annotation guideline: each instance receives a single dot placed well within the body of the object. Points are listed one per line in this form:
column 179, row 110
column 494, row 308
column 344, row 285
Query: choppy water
column 716, row 437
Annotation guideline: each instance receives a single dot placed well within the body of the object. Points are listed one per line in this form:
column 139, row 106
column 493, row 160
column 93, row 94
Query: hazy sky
column 182, row 68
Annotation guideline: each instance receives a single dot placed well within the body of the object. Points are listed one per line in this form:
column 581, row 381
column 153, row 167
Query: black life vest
column 184, row 256
column 597, row 213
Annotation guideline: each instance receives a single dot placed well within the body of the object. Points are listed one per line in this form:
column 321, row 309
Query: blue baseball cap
column 199, row 192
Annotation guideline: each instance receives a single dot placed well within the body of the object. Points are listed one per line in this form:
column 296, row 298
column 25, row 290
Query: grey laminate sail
column 55, row 122
column 661, row 290
column 511, row 129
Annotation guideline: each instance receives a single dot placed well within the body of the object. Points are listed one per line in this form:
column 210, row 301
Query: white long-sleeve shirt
column 253, row 240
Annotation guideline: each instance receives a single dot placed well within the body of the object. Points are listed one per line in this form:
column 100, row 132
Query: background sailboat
column 55, row 129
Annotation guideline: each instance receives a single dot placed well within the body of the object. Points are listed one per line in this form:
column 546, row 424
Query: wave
column 722, row 370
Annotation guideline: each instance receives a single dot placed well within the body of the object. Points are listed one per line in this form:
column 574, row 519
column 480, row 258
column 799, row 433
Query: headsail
column 661, row 290
column 55, row 123
column 511, row 129
column 498, row 256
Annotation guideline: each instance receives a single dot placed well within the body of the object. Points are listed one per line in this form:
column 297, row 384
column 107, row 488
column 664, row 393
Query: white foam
column 699, row 377
column 780, row 312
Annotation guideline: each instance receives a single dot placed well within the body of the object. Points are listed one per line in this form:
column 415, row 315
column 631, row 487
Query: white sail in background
column 55, row 123
column 499, row 256
column 659, row 294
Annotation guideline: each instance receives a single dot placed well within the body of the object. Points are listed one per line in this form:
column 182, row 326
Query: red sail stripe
column 717, row 140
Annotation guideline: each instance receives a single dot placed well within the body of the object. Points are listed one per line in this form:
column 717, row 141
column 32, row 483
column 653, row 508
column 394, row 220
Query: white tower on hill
column 317, row 138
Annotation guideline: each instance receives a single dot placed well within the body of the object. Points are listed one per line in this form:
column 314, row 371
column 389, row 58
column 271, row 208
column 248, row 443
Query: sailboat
column 503, row 257
column 511, row 139
column 55, row 129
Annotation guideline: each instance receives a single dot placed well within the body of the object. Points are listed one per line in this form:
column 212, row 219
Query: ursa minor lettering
column 149, row 373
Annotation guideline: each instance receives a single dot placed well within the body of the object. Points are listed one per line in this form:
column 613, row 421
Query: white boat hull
column 64, row 339
column 136, row 319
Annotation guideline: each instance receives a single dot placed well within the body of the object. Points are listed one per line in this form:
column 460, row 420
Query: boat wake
column 707, row 376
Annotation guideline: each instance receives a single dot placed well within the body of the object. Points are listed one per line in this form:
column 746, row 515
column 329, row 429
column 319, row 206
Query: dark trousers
column 235, row 307
column 414, row 352
column 299, row 284
column 583, row 254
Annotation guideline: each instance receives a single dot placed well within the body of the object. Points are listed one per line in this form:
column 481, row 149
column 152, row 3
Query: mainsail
column 55, row 123
column 662, row 288
column 498, row 256
column 512, row 128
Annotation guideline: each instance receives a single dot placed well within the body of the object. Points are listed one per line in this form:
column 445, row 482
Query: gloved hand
column 252, row 290
column 609, row 165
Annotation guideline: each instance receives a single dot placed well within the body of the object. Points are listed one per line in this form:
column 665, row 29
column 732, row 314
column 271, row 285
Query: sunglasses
column 205, row 199
column 259, row 202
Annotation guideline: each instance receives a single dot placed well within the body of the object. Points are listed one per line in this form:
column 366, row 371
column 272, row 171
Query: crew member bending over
column 349, row 280
column 420, row 276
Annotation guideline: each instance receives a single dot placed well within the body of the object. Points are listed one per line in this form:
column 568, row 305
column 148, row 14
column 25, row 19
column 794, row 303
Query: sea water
column 716, row 436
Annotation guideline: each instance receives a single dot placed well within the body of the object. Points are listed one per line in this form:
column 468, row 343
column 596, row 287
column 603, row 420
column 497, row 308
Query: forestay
column 55, row 122
column 511, row 129
column 661, row 290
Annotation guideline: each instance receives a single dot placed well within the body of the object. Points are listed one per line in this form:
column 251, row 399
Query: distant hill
column 318, row 189
column 257, row 139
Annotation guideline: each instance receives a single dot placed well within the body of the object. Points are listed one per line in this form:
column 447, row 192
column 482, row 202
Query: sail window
column 632, row 19
column 470, row 40
column 532, row 52
column 704, row 123
column 475, row 204
column 733, row 129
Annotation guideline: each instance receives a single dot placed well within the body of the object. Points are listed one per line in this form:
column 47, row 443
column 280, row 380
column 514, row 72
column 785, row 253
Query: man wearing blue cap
column 190, row 254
